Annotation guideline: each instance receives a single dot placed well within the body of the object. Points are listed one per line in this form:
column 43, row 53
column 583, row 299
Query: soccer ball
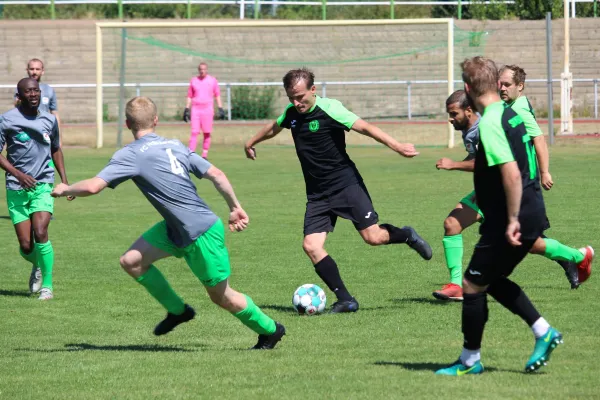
column 309, row 299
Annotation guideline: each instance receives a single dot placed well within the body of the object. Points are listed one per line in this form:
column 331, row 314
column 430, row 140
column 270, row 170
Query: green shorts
column 23, row 203
column 471, row 201
column 207, row 257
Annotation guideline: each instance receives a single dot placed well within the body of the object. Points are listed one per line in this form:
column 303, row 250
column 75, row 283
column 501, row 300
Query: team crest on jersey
column 470, row 148
column 45, row 100
column 46, row 137
column 22, row 137
column 313, row 126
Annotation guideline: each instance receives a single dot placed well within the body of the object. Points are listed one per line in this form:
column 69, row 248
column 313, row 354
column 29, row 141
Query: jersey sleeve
column 53, row 105
column 191, row 89
column 283, row 121
column 2, row 133
column 495, row 143
column 336, row 110
column 55, row 139
column 198, row 165
column 121, row 167
column 526, row 112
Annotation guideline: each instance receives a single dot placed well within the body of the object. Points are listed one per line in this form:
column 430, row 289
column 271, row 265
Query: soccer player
column 334, row 187
column 507, row 187
column 161, row 169
column 203, row 90
column 33, row 152
column 512, row 84
column 466, row 213
column 35, row 70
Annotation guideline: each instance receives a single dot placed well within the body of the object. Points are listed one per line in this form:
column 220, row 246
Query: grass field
column 94, row 340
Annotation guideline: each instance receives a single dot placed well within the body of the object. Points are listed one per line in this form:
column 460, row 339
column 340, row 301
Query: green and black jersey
column 523, row 108
column 319, row 137
column 502, row 139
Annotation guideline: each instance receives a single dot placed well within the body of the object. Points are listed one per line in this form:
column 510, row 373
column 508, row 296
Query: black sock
column 397, row 235
column 474, row 317
column 513, row 298
column 563, row 264
column 328, row 271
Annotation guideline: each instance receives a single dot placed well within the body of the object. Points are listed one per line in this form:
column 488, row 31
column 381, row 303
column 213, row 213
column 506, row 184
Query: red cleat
column 450, row 291
column 584, row 268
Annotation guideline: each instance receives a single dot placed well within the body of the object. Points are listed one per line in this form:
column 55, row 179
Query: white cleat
column 46, row 294
column 35, row 279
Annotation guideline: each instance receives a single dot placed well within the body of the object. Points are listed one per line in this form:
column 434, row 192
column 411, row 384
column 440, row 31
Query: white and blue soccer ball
column 309, row 299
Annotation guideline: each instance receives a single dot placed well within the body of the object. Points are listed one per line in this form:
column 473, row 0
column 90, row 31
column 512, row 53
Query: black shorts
column 352, row 203
column 494, row 258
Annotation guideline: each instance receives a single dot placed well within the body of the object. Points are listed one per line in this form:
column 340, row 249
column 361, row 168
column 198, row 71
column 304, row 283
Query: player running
column 33, row 152
column 161, row 169
column 334, row 187
column 507, row 187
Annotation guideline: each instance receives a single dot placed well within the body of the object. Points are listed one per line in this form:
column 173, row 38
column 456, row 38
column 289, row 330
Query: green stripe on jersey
column 336, row 110
column 493, row 137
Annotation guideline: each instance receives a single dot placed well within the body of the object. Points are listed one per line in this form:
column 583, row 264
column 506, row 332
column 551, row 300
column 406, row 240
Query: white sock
column 470, row 357
column 540, row 327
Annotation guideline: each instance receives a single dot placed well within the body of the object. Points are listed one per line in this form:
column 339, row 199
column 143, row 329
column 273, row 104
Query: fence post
column 324, row 89
column 409, row 99
column 189, row 9
column 229, row 101
column 256, row 5
column 596, row 98
column 242, row 9
column 120, row 6
column 52, row 10
column 138, row 90
column 392, row 12
column 324, row 9
column 459, row 9
column 595, row 8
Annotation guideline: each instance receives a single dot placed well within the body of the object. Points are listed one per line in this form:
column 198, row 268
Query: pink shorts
column 202, row 120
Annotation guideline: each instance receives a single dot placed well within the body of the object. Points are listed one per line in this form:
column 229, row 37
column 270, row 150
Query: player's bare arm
column 84, row 188
column 467, row 165
column 26, row 181
column 367, row 129
column 238, row 219
column 543, row 159
column 511, row 181
column 267, row 132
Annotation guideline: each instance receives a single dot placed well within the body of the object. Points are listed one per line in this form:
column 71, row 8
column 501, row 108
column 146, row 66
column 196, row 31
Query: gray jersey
column 471, row 139
column 161, row 169
column 47, row 98
column 30, row 142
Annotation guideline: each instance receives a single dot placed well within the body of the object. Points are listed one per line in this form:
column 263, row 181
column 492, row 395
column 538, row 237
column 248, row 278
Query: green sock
column 453, row 250
column 255, row 319
column 45, row 260
column 159, row 288
column 31, row 257
column 558, row 251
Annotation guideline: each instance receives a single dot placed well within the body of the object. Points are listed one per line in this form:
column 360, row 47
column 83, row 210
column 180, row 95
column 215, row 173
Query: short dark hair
column 481, row 74
column 460, row 97
column 294, row 76
column 519, row 74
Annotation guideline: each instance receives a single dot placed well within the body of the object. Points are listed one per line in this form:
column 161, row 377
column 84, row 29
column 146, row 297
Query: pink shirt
column 203, row 91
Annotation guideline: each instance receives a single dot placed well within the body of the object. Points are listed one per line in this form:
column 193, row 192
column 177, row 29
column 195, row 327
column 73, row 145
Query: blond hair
column 481, row 74
column 140, row 113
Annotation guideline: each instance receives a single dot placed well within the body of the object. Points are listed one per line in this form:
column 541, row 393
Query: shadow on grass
column 276, row 307
column 423, row 300
column 430, row 366
column 4, row 217
column 69, row 347
column 15, row 293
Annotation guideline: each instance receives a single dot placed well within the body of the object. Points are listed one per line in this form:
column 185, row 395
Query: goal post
column 376, row 60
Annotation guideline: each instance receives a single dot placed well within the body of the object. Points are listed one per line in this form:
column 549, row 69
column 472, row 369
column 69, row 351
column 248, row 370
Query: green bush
column 252, row 102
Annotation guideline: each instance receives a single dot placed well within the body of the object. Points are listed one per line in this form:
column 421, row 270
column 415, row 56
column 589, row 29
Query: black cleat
column 572, row 274
column 418, row 244
column 345, row 306
column 171, row 321
column 267, row 342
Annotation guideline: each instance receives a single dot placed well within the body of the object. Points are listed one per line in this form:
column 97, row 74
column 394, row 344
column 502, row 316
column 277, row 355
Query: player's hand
column 238, row 220
column 221, row 113
column 186, row 115
column 513, row 233
column 406, row 150
column 547, row 182
column 59, row 190
column 444, row 163
column 250, row 152
column 27, row 182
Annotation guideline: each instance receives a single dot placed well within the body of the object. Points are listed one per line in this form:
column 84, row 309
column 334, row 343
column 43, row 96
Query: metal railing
column 256, row 4
column 323, row 85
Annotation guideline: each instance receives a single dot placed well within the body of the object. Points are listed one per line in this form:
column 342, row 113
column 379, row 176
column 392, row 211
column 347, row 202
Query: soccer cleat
column 268, row 342
column 344, row 306
column 418, row 244
column 542, row 350
column 459, row 369
column 46, row 294
column 171, row 321
column 584, row 268
column 35, row 279
column 572, row 274
column 450, row 291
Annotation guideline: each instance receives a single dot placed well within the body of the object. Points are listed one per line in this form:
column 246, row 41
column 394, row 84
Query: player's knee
column 26, row 245
column 452, row 226
column 311, row 246
column 374, row 238
column 130, row 263
column 40, row 233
